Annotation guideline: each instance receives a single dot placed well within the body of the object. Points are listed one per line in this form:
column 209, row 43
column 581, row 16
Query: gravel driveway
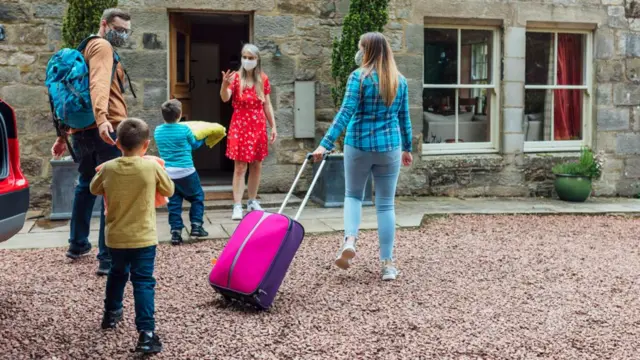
column 471, row 287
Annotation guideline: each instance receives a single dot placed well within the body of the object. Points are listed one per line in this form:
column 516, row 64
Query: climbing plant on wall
column 82, row 19
column 363, row 16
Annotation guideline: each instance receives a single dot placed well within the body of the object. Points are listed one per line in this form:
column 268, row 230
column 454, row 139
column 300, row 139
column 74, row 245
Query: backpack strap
column 116, row 60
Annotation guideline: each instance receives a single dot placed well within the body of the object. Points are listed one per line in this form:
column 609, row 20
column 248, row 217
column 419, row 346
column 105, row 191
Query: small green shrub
column 589, row 165
column 83, row 19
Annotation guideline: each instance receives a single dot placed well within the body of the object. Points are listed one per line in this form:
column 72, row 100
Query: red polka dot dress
column 247, row 136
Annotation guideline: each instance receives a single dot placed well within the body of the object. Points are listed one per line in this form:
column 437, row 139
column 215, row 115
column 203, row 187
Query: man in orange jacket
column 95, row 144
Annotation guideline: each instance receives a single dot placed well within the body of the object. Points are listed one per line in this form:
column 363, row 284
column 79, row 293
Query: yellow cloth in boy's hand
column 211, row 132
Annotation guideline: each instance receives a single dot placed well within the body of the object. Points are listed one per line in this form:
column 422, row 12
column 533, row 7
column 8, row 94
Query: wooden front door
column 180, row 61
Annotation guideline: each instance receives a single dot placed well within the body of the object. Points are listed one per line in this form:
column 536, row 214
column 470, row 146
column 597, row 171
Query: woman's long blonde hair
column 377, row 55
column 257, row 72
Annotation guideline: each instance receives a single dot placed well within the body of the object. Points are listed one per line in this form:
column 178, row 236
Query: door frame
column 172, row 55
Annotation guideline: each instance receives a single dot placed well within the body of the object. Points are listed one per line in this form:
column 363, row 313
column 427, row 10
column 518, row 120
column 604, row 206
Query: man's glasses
column 121, row 30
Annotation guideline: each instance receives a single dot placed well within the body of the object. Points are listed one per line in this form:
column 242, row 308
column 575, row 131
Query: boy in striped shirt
column 175, row 144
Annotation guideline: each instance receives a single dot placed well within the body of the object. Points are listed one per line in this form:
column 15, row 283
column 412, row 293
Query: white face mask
column 359, row 57
column 249, row 64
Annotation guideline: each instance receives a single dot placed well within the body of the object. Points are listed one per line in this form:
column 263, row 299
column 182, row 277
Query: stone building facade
column 295, row 38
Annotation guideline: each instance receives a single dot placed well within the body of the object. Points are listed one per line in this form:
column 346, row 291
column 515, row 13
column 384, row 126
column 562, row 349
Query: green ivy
column 83, row 19
column 364, row 16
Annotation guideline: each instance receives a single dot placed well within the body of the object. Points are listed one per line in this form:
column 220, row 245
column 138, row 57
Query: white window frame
column 494, row 103
column 587, row 98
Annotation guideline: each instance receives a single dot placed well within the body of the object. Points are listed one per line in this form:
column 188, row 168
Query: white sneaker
column 237, row 212
column 389, row 270
column 346, row 253
column 253, row 205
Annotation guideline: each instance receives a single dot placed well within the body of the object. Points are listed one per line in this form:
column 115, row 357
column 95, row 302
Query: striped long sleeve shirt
column 371, row 125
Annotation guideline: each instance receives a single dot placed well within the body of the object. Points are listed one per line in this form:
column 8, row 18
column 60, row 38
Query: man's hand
column 105, row 130
column 59, row 147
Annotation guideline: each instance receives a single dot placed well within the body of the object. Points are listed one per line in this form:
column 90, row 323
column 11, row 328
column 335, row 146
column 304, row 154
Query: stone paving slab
column 410, row 212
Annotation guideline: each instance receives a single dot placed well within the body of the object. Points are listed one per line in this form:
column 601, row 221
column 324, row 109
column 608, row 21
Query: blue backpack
column 67, row 80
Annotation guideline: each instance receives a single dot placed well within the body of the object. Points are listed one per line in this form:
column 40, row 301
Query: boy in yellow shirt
column 130, row 183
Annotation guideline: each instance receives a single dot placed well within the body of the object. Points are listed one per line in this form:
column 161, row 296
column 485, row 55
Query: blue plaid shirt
column 370, row 124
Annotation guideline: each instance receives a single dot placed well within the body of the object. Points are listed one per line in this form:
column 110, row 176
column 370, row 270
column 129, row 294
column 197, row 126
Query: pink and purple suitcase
column 256, row 258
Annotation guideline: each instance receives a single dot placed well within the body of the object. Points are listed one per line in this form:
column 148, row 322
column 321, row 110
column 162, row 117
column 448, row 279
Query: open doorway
column 202, row 45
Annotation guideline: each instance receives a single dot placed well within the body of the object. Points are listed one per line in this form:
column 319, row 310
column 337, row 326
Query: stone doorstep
column 268, row 201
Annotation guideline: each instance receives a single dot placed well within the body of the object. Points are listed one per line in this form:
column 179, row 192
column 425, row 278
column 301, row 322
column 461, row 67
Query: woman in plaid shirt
column 375, row 114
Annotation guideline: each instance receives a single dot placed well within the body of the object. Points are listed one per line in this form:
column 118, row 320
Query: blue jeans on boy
column 90, row 151
column 187, row 188
column 140, row 263
column 385, row 168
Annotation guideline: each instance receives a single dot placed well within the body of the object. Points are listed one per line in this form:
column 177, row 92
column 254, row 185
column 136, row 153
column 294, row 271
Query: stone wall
column 33, row 30
column 303, row 30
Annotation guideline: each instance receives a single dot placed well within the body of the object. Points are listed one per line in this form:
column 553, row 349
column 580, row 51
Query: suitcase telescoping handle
column 313, row 183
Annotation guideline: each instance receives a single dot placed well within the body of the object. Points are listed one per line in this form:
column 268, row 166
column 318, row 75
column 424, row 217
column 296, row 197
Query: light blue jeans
column 385, row 168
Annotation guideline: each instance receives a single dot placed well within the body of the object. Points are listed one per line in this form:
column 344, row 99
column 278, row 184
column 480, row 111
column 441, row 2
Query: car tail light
column 11, row 176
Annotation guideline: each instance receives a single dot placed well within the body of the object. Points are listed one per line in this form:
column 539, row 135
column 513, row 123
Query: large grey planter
column 329, row 190
column 63, row 185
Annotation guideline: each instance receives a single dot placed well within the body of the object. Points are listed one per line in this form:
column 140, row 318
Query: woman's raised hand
column 227, row 77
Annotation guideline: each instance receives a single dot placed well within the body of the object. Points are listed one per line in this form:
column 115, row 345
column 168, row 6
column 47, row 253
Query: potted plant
column 574, row 179
column 363, row 16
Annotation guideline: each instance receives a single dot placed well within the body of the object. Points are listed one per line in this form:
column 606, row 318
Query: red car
column 14, row 187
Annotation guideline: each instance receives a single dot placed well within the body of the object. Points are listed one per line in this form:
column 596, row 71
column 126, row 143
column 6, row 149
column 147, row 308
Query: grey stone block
column 512, row 120
column 514, row 94
column 145, row 64
column 13, row 12
column 604, row 94
column 604, row 45
column 9, row 74
column 23, row 96
column 410, row 66
column 613, row 119
column 515, row 42
column 626, row 94
column 514, row 69
column 55, row 11
column 273, row 26
column 153, row 41
column 617, row 18
column 155, row 93
column 512, row 143
column 414, row 38
column 609, row 70
column 632, row 168
column 632, row 44
column 628, row 144
column 280, row 71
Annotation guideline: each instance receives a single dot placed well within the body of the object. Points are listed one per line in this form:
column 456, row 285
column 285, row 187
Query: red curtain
column 568, row 103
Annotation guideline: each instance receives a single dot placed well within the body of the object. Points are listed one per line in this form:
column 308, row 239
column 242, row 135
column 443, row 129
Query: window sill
column 553, row 146
column 457, row 149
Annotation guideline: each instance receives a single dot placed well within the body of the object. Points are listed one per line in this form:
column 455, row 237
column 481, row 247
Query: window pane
column 475, row 59
column 181, row 48
column 539, row 58
column 567, row 115
column 440, row 56
column 570, row 59
column 439, row 118
column 553, row 115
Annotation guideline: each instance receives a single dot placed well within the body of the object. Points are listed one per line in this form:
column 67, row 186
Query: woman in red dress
column 247, row 143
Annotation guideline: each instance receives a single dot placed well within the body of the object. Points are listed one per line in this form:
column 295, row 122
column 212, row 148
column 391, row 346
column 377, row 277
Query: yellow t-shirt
column 130, row 185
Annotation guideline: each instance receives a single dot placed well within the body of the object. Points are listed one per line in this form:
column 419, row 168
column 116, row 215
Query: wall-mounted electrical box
column 304, row 123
